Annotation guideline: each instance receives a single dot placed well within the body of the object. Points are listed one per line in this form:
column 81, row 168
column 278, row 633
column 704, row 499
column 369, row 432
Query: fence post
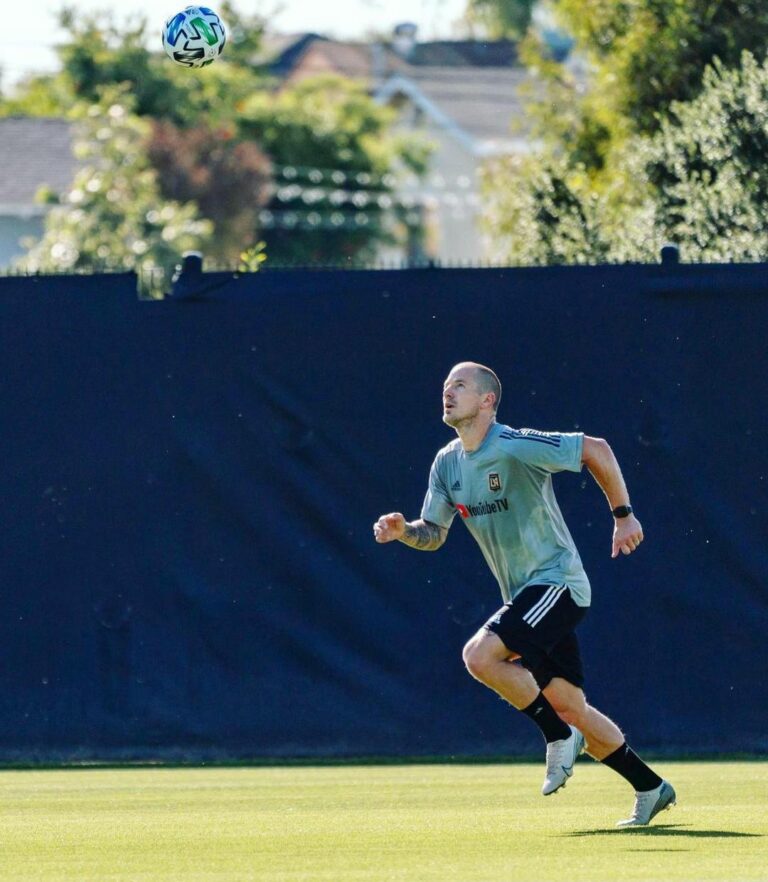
column 186, row 280
column 670, row 255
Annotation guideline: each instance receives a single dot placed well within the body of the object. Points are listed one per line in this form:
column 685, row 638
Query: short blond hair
column 486, row 380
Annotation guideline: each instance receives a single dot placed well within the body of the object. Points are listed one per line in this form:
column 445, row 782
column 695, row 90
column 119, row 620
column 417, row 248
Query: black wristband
column 622, row 511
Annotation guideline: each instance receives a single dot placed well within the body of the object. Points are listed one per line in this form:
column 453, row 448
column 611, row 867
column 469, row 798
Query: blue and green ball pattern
column 194, row 37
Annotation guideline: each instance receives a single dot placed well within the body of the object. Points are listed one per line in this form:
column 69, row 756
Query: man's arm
column 598, row 457
column 420, row 534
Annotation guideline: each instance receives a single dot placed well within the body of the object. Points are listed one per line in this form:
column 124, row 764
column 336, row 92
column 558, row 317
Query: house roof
column 364, row 61
column 306, row 54
column 463, row 53
column 479, row 106
column 34, row 151
column 470, row 87
column 280, row 52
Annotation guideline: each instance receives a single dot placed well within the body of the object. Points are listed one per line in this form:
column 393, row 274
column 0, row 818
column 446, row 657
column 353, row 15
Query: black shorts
column 539, row 625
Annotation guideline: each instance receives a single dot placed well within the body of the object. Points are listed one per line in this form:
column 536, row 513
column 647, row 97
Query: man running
column 499, row 480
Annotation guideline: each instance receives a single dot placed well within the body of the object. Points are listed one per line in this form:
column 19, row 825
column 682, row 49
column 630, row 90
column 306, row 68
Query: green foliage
column 330, row 123
column 501, row 18
column 244, row 34
column 113, row 216
column 99, row 52
column 642, row 55
column 217, row 130
column 228, row 178
column 252, row 258
column 41, row 95
column 649, row 53
column 701, row 181
column 540, row 212
column 708, row 166
column 643, row 147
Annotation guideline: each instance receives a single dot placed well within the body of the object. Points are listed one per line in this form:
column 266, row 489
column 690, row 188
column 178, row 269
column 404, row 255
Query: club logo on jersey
column 494, row 482
column 482, row 508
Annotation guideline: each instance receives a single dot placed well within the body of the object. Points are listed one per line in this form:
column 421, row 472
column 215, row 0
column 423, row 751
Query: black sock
column 629, row 765
column 543, row 714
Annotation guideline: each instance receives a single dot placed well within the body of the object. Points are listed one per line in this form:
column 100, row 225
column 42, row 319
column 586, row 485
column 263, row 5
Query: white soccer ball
column 194, row 37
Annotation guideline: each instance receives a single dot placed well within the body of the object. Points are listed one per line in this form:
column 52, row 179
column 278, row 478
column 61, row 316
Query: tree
column 641, row 56
column 501, row 18
column 700, row 181
column 334, row 153
column 593, row 132
column 540, row 212
column 244, row 34
column 40, row 95
column 102, row 52
column 228, row 178
column 218, row 129
column 113, row 217
column 707, row 165
column 648, row 53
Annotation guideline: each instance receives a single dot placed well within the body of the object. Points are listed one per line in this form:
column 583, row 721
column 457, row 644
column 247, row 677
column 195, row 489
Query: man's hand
column 627, row 535
column 389, row 527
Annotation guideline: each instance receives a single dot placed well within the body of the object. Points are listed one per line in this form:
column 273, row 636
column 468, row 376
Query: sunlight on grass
column 447, row 823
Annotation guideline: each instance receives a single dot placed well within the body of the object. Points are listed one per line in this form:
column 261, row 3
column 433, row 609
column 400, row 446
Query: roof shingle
column 483, row 102
column 34, row 151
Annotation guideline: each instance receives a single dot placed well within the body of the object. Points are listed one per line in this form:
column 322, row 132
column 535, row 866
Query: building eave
column 397, row 84
column 22, row 210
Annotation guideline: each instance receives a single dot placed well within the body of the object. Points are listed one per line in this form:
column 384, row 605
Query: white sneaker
column 649, row 803
column 561, row 755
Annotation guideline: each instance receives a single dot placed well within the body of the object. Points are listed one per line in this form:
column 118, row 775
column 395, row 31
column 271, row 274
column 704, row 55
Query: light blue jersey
column 503, row 493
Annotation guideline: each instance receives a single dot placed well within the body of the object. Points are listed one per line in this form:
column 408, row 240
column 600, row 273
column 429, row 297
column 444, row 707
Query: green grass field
column 422, row 823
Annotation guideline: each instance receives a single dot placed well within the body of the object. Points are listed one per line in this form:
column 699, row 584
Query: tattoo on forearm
column 423, row 535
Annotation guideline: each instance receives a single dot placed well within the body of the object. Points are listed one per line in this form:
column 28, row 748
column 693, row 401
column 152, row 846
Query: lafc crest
column 494, row 482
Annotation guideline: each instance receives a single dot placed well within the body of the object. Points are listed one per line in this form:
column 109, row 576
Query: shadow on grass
column 664, row 830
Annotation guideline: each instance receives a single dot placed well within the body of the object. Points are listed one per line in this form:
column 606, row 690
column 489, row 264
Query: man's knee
column 483, row 653
column 478, row 658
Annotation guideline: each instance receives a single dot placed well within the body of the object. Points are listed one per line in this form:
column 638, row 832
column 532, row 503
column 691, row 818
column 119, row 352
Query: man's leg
column 602, row 735
column 493, row 664
column 605, row 742
column 490, row 662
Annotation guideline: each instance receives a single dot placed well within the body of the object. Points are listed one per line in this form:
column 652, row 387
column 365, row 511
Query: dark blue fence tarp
column 189, row 486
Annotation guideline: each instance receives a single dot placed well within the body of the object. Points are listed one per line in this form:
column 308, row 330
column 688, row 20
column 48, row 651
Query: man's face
column 461, row 397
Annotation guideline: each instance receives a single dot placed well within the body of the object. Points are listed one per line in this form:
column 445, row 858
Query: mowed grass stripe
column 447, row 823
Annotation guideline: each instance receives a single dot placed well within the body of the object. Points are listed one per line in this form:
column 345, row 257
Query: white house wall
column 448, row 193
column 12, row 231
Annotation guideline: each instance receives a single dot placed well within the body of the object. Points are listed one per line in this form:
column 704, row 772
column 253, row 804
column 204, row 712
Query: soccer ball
column 194, row 37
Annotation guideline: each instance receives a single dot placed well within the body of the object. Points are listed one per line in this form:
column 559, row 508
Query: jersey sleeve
column 437, row 508
column 551, row 451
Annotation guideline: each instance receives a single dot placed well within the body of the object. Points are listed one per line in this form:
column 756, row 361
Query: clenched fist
column 627, row 535
column 389, row 527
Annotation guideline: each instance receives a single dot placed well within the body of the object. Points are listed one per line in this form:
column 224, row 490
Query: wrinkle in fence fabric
column 188, row 489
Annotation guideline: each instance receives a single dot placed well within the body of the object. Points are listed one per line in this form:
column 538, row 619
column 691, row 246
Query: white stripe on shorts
column 537, row 612
column 540, row 602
